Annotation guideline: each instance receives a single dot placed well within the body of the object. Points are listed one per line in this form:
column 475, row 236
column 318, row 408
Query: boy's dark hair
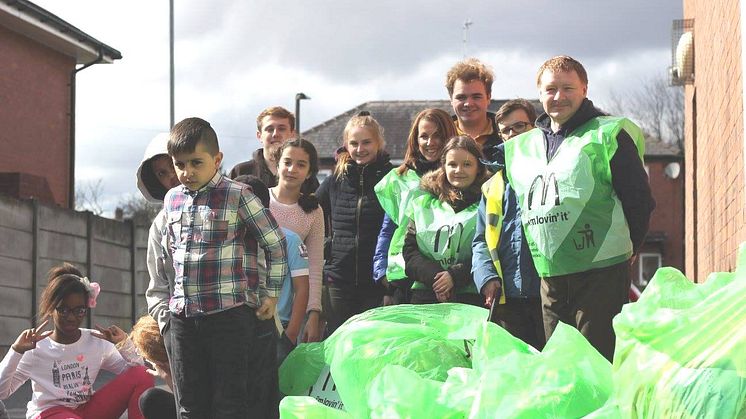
column 63, row 280
column 514, row 105
column 188, row 133
column 257, row 186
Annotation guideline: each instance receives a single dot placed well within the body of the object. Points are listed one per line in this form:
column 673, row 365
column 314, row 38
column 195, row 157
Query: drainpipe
column 71, row 189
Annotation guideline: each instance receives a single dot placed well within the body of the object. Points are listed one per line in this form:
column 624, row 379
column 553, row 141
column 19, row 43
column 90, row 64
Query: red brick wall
column 668, row 216
column 714, row 141
column 35, row 103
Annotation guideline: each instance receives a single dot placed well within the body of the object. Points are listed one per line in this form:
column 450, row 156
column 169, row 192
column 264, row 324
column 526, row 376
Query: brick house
column 664, row 244
column 40, row 57
column 714, row 134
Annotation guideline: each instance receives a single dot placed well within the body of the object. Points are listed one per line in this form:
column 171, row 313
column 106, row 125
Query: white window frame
column 640, row 279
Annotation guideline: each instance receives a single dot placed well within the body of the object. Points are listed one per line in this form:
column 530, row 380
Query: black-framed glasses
column 518, row 128
column 77, row 311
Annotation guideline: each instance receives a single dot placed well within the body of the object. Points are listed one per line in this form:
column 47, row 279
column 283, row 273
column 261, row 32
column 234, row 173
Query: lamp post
column 298, row 98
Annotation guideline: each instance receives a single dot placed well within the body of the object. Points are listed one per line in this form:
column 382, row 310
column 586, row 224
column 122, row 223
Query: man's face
column 274, row 132
column 195, row 169
column 514, row 123
column 561, row 94
column 470, row 101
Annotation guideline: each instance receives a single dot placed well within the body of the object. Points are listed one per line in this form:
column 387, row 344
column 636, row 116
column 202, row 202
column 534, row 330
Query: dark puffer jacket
column 356, row 215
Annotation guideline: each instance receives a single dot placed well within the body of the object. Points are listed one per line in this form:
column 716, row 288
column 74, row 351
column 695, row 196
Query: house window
column 323, row 174
column 648, row 264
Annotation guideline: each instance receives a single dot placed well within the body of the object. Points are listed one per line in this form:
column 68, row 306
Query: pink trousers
column 120, row 394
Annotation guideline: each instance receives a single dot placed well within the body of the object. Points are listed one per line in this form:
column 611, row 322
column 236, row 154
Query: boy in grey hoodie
column 155, row 177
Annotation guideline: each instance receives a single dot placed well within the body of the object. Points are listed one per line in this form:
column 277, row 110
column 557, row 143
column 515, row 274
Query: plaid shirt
column 212, row 235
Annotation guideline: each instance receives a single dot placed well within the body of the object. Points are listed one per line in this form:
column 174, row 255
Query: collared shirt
column 488, row 139
column 486, row 134
column 212, row 236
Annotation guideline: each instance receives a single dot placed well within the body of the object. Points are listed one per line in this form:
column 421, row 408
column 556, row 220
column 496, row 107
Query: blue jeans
column 218, row 364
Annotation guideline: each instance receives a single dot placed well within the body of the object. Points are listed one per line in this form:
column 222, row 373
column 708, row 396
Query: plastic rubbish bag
column 568, row 380
column 304, row 407
column 681, row 349
column 301, row 368
column 426, row 339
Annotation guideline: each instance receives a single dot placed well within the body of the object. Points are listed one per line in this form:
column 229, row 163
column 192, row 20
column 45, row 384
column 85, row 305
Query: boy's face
column 275, row 131
column 470, row 101
column 195, row 169
column 514, row 123
column 163, row 168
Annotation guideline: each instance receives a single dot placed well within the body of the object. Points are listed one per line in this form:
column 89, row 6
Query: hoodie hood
column 147, row 182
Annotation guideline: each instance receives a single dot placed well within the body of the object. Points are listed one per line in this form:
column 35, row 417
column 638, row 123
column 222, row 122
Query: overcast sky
column 236, row 57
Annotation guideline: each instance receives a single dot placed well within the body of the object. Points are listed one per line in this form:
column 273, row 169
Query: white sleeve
column 119, row 360
column 12, row 373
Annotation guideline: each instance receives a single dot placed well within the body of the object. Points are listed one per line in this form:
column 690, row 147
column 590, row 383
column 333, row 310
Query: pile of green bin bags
column 680, row 353
column 681, row 349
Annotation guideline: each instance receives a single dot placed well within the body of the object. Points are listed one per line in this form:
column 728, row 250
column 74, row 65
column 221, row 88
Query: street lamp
column 298, row 98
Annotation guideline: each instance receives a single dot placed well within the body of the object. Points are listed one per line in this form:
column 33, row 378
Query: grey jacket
column 161, row 270
column 160, row 265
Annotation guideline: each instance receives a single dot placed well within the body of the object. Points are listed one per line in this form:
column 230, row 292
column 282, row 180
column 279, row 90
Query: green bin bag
column 681, row 349
column 568, row 380
column 301, row 368
column 428, row 340
column 303, row 407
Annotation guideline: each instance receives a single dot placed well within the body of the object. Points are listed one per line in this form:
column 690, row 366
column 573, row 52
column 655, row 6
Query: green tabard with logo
column 394, row 192
column 571, row 215
column 443, row 235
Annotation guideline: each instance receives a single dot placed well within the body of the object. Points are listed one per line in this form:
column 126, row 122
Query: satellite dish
column 672, row 170
column 684, row 69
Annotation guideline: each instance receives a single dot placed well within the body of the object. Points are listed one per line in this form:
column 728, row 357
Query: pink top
column 310, row 228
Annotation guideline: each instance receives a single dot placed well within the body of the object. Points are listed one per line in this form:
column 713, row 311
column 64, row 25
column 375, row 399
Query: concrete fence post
column 89, row 254
column 34, row 260
column 133, row 271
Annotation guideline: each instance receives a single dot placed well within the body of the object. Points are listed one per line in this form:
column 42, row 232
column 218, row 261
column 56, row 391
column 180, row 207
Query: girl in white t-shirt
column 63, row 363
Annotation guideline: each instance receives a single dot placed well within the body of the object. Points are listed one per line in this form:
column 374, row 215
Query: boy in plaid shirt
column 214, row 226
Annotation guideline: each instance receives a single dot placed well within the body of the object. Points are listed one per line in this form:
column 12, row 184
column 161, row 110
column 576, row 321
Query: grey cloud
column 351, row 41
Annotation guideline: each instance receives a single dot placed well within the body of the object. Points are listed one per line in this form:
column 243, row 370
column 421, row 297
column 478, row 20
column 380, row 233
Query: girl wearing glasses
column 63, row 363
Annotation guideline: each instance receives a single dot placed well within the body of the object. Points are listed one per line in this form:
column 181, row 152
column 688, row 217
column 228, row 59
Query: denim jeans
column 216, row 363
